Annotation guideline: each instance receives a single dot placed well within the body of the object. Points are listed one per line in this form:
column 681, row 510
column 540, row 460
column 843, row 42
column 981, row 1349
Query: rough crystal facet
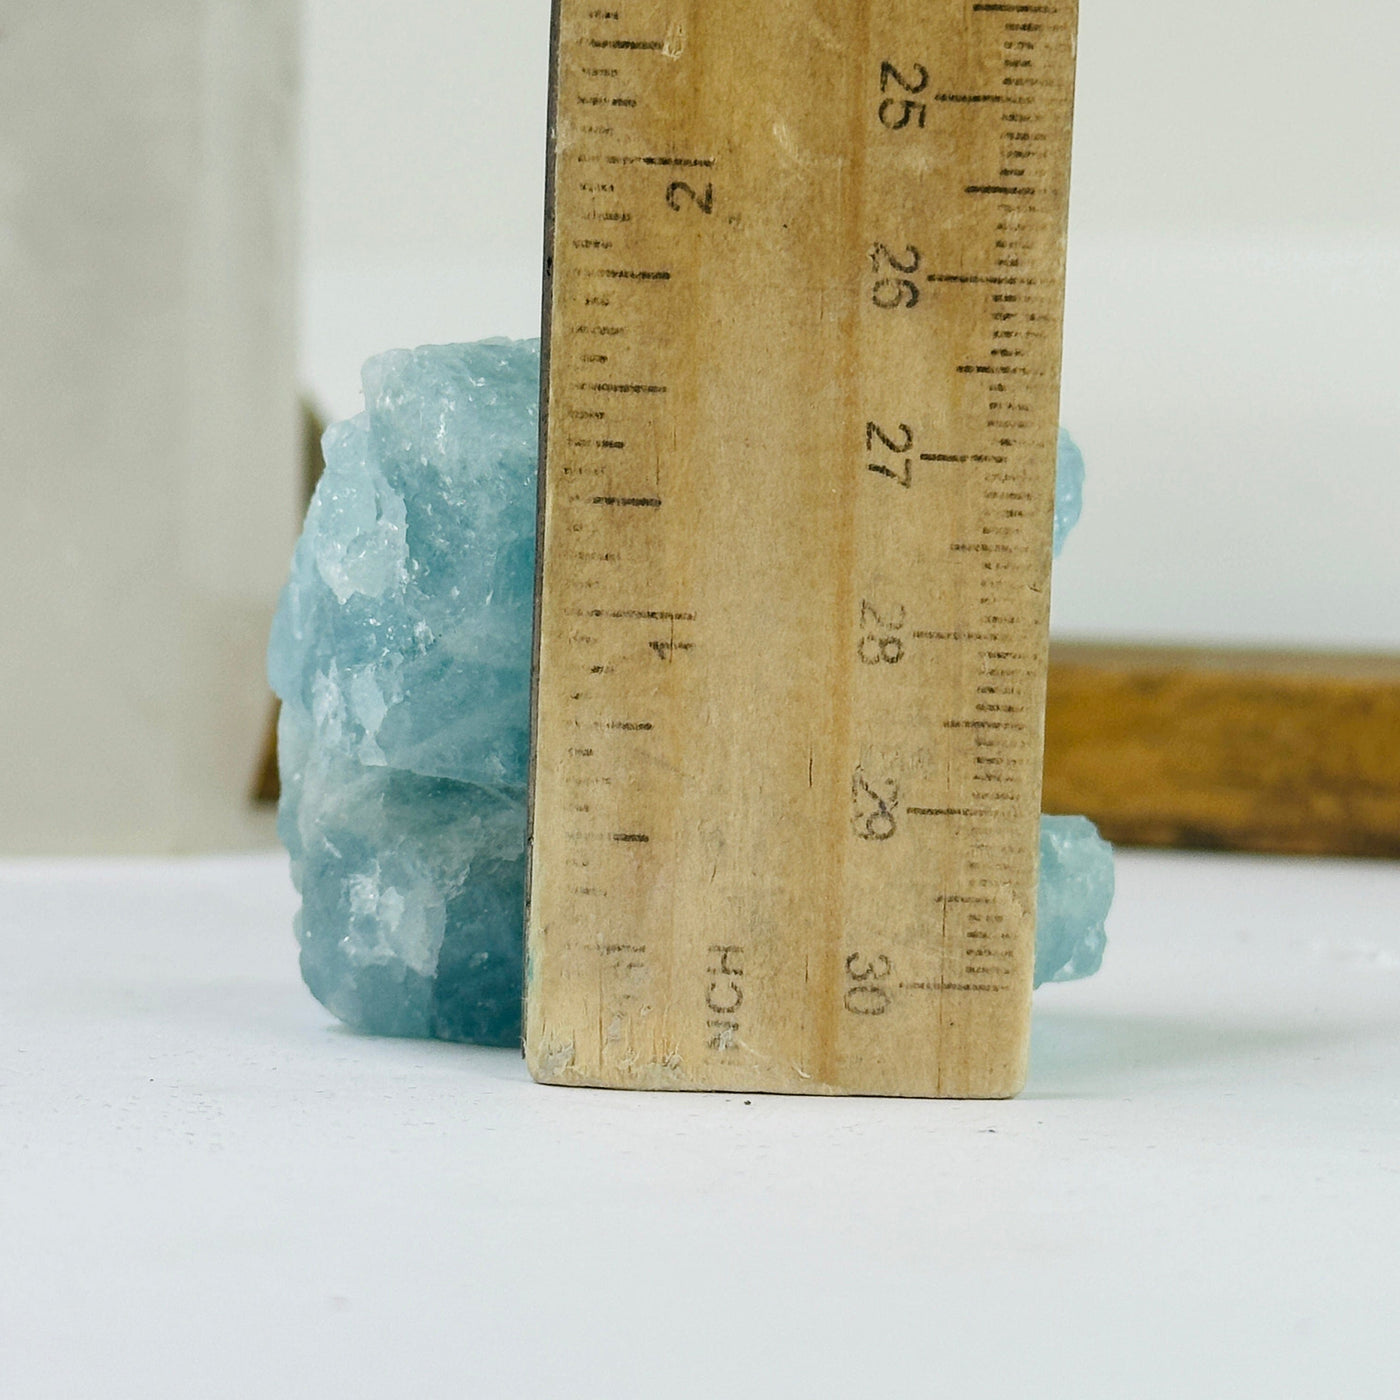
column 1076, row 890
column 401, row 652
column 1069, row 488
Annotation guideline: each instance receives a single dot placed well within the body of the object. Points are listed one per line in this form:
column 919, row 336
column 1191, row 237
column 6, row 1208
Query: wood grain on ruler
column 804, row 331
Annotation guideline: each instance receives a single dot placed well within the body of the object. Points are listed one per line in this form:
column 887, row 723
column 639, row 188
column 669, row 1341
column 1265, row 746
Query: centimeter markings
column 803, row 300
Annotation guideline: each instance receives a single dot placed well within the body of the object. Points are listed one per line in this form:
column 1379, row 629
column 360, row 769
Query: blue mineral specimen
column 1076, row 889
column 1069, row 488
column 401, row 652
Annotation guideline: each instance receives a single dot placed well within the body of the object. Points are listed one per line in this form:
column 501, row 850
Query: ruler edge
column 541, row 458
column 816, row 1090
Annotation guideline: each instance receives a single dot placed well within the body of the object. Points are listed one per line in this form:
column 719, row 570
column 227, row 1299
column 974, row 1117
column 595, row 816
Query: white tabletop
column 208, row 1189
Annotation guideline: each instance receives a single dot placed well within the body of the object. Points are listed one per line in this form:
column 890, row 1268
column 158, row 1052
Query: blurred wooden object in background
column 1225, row 749
column 267, row 785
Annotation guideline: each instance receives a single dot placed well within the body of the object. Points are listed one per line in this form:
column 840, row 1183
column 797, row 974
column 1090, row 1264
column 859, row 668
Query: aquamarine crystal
column 401, row 653
column 1076, row 890
column 1069, row 488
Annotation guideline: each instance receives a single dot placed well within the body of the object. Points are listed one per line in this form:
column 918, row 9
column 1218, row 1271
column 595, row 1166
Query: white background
column 1231, row 358
column 211, row 1192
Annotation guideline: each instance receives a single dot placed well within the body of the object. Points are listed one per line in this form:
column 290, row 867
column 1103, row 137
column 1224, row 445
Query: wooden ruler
column 804, row 298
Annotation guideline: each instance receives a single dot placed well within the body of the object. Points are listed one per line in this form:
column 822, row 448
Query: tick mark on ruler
column 959, row 457
column 990, row 281
column 955, row 636
column 633, row 613
column 953, row 986
column 688, row 162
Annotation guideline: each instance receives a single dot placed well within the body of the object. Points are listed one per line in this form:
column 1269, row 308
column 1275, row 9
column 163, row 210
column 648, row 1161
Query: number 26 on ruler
column 894, row 277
